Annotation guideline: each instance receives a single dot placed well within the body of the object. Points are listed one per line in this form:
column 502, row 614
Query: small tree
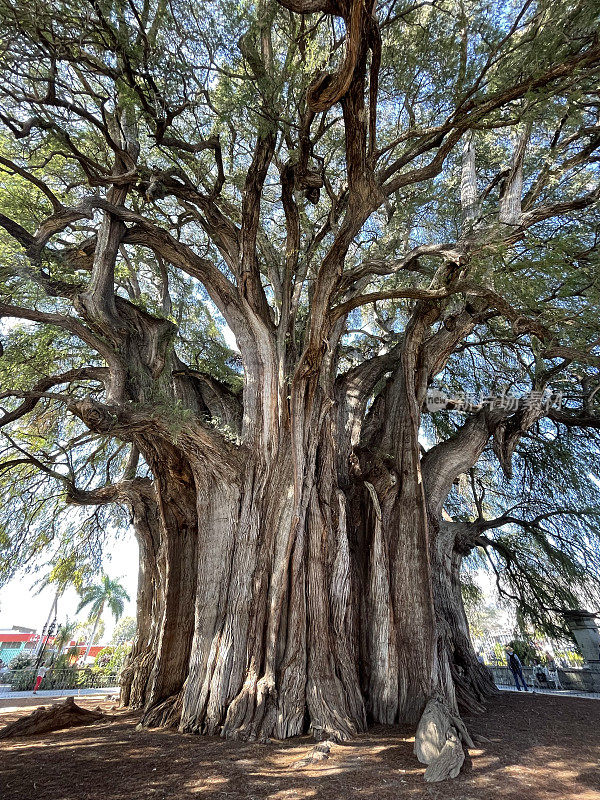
column 64, row 636
column 110, row 660
column 107, row 593
column 124, row 631
column 84, row 631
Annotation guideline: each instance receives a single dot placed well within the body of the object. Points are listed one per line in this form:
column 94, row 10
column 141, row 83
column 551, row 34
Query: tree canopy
column 195, row 98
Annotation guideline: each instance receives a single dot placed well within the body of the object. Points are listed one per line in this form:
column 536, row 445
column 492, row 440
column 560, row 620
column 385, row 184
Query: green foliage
column 471, row 592
column 21, row 661
column 572, row 657
column 484, row 619
column 64, row 635
column 110, row 660
column 499, row 653
column 546, row 557
column 67, row 659
column 108, row 592
column 525, row 651
column 22, row 679
column 83, row 631
column 34, row 518
column 124, row 631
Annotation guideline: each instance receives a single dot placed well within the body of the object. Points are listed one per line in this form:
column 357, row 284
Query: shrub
column 525, row 650
column 110, row 660
column 21, row 661
column 103, row 658
column 21, row 680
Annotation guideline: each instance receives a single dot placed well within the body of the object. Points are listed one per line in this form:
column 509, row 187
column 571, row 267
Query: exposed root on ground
column 320, row 752
column 439, row 741
column 57, row 717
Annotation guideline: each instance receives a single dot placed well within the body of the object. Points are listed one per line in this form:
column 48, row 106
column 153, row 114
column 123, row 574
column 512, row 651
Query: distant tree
column 65, row 656
column 124, row 630
column 64, row 636
column 84, row 629
column 525, row 650
column 109, row 593
column 111, row 659
column 485, row 619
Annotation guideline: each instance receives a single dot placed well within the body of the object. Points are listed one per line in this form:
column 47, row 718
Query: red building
column 19, row 641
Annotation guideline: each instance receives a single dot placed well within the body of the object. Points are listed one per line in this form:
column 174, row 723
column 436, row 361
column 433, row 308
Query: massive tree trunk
column 271, row 605
column 271, row 584
column 286, row 585
column 405, row 664
column 246, row 622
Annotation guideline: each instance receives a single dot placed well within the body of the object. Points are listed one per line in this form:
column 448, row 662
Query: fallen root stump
column 320, row 752
column 439, row 742
column 44, row 720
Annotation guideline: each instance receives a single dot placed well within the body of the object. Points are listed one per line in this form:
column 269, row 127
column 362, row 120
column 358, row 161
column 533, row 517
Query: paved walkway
column 555, row 692
column 18, row 699
column 14, row 700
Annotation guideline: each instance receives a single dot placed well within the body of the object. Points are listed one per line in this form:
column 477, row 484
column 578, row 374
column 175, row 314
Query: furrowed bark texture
column 473, row 682
column 285, row 589
column 294, row 579
column 404, row 662
column 258, row 640
column 136, row 672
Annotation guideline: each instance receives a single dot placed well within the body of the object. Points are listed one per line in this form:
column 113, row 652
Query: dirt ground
column 541, row 748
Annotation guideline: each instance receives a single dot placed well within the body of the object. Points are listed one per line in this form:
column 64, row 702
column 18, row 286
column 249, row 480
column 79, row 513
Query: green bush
column 572, row 657
column 109, row 661
column 60, row 679
column 104, row 657
column 84, row 677
column 525, row 650
column 21, row 661
column 66, row 660
column 21, row 680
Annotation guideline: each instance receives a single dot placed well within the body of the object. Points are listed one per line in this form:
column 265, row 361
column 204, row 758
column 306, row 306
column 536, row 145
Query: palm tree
column 107, row 593
column 63, row 654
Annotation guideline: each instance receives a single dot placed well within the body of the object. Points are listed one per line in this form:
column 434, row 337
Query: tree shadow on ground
column 540, row 748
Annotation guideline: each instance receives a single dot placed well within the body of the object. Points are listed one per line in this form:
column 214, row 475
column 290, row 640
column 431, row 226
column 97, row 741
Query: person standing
column 514, row 664
column 552, row 670
column 39, row 678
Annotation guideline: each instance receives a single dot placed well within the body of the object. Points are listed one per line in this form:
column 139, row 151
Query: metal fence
column 577, row 680
column 562, row 650
column 23, row 680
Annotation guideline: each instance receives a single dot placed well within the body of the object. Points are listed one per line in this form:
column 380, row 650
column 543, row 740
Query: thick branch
column 83, row 373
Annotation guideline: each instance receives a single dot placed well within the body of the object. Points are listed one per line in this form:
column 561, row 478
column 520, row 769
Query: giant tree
column 366, row 197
